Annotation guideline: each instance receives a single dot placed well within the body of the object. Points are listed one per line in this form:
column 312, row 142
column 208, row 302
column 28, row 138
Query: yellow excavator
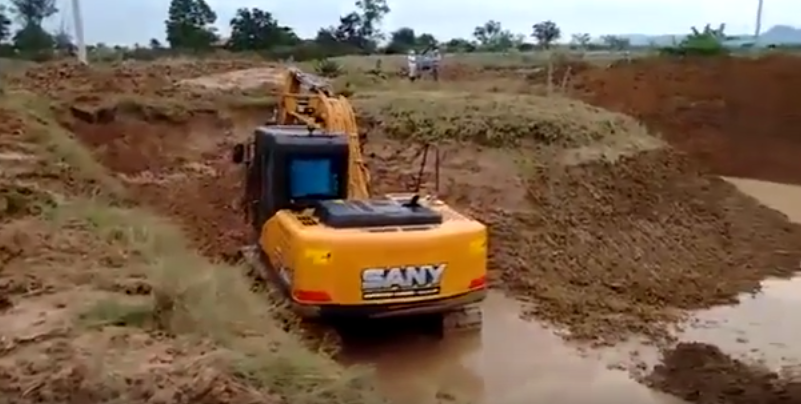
column 333, row 250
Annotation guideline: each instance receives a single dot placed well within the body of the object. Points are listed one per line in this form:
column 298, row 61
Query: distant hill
column 776, row 35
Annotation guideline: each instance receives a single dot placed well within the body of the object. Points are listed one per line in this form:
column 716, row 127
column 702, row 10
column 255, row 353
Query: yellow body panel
column 316, row 258
column 312, row 259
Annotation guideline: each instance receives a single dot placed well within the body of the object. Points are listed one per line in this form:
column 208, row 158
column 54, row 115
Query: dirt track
column 601, row 249
column 737, row 115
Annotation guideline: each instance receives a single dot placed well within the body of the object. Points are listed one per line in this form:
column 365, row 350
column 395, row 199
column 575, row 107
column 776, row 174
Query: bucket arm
column 308, row 100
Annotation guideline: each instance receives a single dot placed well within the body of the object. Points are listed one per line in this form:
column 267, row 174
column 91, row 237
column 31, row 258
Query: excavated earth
column 599, row 228
column 737, row 115
column 701, row 373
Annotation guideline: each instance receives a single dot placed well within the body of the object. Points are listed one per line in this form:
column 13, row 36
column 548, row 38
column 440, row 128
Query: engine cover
column 342, row 214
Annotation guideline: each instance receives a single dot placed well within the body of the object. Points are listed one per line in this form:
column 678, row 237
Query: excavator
column 333, row 250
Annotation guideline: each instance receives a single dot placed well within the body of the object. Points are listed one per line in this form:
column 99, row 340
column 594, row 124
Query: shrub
column 328, row 68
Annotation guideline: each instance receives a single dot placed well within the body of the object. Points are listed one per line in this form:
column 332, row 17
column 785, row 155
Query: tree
column 459, row 45
column 615, row 42
column 62, row 41
column 580, row 40
column 5, row 24
column 32, row 37
column 33, row 11
column 402, row 40
column 372, row 14
column 189, row 25
column 256, row 29
column 545, row 33
column 405, row 39
column 155, row 44
column 491, row 36
column 426, row 41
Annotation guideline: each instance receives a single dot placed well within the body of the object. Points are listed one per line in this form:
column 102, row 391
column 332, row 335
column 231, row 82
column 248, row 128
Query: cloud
column 131, row 21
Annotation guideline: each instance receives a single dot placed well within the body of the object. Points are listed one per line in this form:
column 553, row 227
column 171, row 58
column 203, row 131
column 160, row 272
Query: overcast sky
column 131, row 21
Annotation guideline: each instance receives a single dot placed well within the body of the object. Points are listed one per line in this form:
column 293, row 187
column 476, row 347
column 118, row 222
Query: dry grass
column 482, row 59
column 495, row 119
column 125, row 271
column 198, row 298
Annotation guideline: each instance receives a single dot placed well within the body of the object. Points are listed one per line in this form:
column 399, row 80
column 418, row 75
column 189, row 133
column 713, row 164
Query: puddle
column 763, row 327
column 512, row 361
column 518, row 361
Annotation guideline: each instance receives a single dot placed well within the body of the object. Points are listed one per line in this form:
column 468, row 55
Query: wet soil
column 745, row 353
column 703, row 374
column 512, row 360
column 737, row 115
column 608, row 250
column 600, row 250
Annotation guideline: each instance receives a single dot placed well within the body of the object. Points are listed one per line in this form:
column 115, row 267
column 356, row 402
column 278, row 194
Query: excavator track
column 464, row 320
column 250, row 255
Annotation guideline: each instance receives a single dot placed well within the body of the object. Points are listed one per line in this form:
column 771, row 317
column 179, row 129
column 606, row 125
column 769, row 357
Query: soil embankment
column 603, row 232
column 737, row 115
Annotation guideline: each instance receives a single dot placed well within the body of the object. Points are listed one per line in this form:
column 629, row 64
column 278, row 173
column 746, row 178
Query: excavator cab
column 291, row 167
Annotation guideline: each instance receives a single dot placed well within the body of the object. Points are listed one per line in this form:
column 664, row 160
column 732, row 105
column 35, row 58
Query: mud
column 54, row 270
column 603, row 250
column 491, row 367
column 703, row 374
column 606, row 250
column 601, row 247
column 743, row 353
column 737, row 115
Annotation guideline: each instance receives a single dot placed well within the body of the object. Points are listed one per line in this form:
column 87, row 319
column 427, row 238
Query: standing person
column 412, row 61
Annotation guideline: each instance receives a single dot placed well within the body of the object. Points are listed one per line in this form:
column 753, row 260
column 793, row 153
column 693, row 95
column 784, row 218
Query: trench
column 512, row 360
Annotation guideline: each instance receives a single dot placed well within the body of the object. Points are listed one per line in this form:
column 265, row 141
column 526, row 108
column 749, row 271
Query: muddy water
column 512, row 361
column 764, row 327
column 516, row 361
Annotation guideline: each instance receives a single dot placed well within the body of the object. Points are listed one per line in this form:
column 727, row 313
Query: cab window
column 313, row 178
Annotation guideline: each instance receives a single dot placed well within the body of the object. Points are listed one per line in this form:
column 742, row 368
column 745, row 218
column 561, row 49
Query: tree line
column 190, row 27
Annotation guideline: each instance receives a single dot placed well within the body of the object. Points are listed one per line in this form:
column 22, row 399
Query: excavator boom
column 308, row 99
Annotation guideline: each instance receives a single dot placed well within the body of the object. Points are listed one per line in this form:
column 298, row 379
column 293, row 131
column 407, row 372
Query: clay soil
column 737, row 115
column 601, row 230
column 702, row 374
column 607, row 234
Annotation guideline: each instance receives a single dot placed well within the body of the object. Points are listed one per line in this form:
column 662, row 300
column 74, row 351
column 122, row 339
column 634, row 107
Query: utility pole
column 78, row 20
column 758, row 30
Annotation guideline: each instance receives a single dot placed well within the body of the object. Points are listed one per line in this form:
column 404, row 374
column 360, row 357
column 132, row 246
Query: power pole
column 758, row 30
column 78, row 20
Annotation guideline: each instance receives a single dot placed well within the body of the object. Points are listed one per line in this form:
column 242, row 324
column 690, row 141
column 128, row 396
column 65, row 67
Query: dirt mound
column 620, row 247
column 702, row 374
column 611, row 236
column 67, row 80
column 607, row 249
column 738, row 115
column 492, row 119
column 247, row 79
